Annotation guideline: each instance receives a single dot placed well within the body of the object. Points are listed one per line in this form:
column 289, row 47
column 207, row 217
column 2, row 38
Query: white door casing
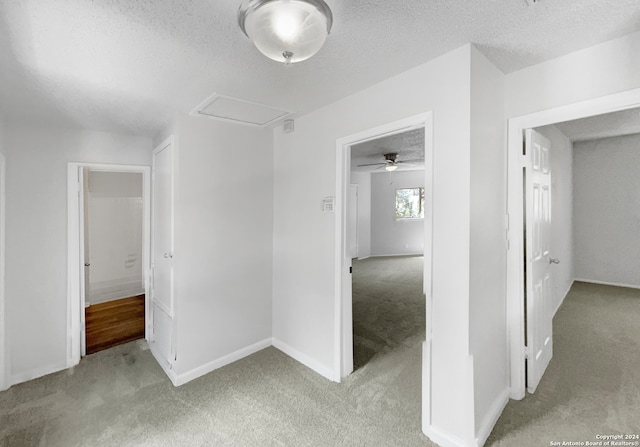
column 83, row 226
column 353, row 220
column 162, row 255
column 76, row 254
column 539, row 310
column 4, row 368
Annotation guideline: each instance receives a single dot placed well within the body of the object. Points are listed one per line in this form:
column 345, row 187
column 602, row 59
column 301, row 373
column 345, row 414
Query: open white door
column 539, row 312
column 162, row 299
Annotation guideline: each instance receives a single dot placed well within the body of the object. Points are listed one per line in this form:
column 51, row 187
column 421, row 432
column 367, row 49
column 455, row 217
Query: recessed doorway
column 109, row 255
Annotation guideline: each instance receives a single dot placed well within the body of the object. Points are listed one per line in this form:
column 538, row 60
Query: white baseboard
column 564, row 296
column 444, row 439
column 304, row 359
column 103, row 291
column 188, row 376
column 492, row 417
column 606, row 283
column 420, row 253
column 36, row 373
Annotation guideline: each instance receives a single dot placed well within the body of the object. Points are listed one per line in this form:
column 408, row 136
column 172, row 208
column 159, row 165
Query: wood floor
column 114, row 323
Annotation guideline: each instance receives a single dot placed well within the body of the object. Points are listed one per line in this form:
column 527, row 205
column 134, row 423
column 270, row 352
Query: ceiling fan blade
column 411, row 161
column 372, row 164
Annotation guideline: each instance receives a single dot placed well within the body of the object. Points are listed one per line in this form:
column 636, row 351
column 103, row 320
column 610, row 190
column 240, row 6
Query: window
column 410, row 203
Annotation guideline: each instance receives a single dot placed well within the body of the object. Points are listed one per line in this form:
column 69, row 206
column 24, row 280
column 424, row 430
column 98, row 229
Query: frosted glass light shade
column 286, row 30
column 391, row 167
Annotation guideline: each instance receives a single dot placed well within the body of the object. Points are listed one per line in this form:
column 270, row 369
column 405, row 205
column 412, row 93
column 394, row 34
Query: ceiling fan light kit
column 286, row 31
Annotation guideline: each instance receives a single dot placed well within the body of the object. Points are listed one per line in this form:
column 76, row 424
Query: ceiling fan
column 390, row 162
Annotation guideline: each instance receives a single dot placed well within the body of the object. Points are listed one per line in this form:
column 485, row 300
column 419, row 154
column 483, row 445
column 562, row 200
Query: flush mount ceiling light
column 286, row 30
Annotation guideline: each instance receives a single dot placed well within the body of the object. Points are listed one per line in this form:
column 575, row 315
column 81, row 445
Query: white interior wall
column 607, row 210
column 487, row 263
column 391, row 236
column 561, row 165
column 115, row 235
column 304, row 283
column 36, row 226
column 596, row 71
column 363, row 180
column 223, row 243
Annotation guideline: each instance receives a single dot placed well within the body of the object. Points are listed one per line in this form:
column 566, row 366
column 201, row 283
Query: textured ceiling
column 128, row 66
column 625, row 122
column 408, row 145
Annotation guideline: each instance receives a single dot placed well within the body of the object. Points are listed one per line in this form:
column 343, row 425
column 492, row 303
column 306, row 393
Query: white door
column 162, row 287
column 539, row 341
column 353, row 221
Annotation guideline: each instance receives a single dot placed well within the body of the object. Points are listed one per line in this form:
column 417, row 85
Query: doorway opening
column 386, row 238
column 108, row 256
column 344, row 340
column 517, row 270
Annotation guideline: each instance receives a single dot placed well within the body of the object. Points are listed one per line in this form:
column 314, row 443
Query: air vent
column 239, row 111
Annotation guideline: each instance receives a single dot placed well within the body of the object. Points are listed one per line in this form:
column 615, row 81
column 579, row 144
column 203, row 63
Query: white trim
column 419, row 253
column 307, row 361
column 515, row 311
column 75, row 306
column 162, row 307
column 4, row 367
column 343, row 321
column 443, row 439
column 188, row 376
column 607, row 283
column 491, row 418
column 564, row 296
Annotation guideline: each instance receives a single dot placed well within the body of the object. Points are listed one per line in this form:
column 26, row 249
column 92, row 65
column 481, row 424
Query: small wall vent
column 239, row 111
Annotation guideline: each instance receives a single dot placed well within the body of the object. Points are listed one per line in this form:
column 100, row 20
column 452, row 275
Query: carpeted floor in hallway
column 592, row 385
column 120, row 397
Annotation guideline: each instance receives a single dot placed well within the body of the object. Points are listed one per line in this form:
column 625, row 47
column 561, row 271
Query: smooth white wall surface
column 391, row 236
column 36, row 256
column 607, row 210
column 561, row 165
column 487, row 282
column 363, row 180
column 223, row 240
column 305, row 172
column 115, row 235
column 600, row 70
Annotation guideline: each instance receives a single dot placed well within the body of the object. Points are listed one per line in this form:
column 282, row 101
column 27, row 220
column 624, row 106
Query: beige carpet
column 592, row 385
column 120, row 397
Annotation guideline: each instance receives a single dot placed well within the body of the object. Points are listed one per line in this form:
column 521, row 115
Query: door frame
column 75, row 250
column 4, row 364
column 515, row 255
column 343, row 317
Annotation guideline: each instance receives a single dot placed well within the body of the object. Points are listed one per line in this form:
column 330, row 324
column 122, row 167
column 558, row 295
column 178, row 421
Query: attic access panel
column 238, row 110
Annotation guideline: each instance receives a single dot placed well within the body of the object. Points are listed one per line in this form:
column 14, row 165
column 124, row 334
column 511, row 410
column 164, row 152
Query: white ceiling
column 128, row 66
column 408, row 145
column 625, row 122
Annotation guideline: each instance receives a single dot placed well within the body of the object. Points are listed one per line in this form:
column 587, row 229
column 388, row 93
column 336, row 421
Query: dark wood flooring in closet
column 114, row 323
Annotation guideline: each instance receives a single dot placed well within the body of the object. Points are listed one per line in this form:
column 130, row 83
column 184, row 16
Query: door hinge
column 351, row 269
